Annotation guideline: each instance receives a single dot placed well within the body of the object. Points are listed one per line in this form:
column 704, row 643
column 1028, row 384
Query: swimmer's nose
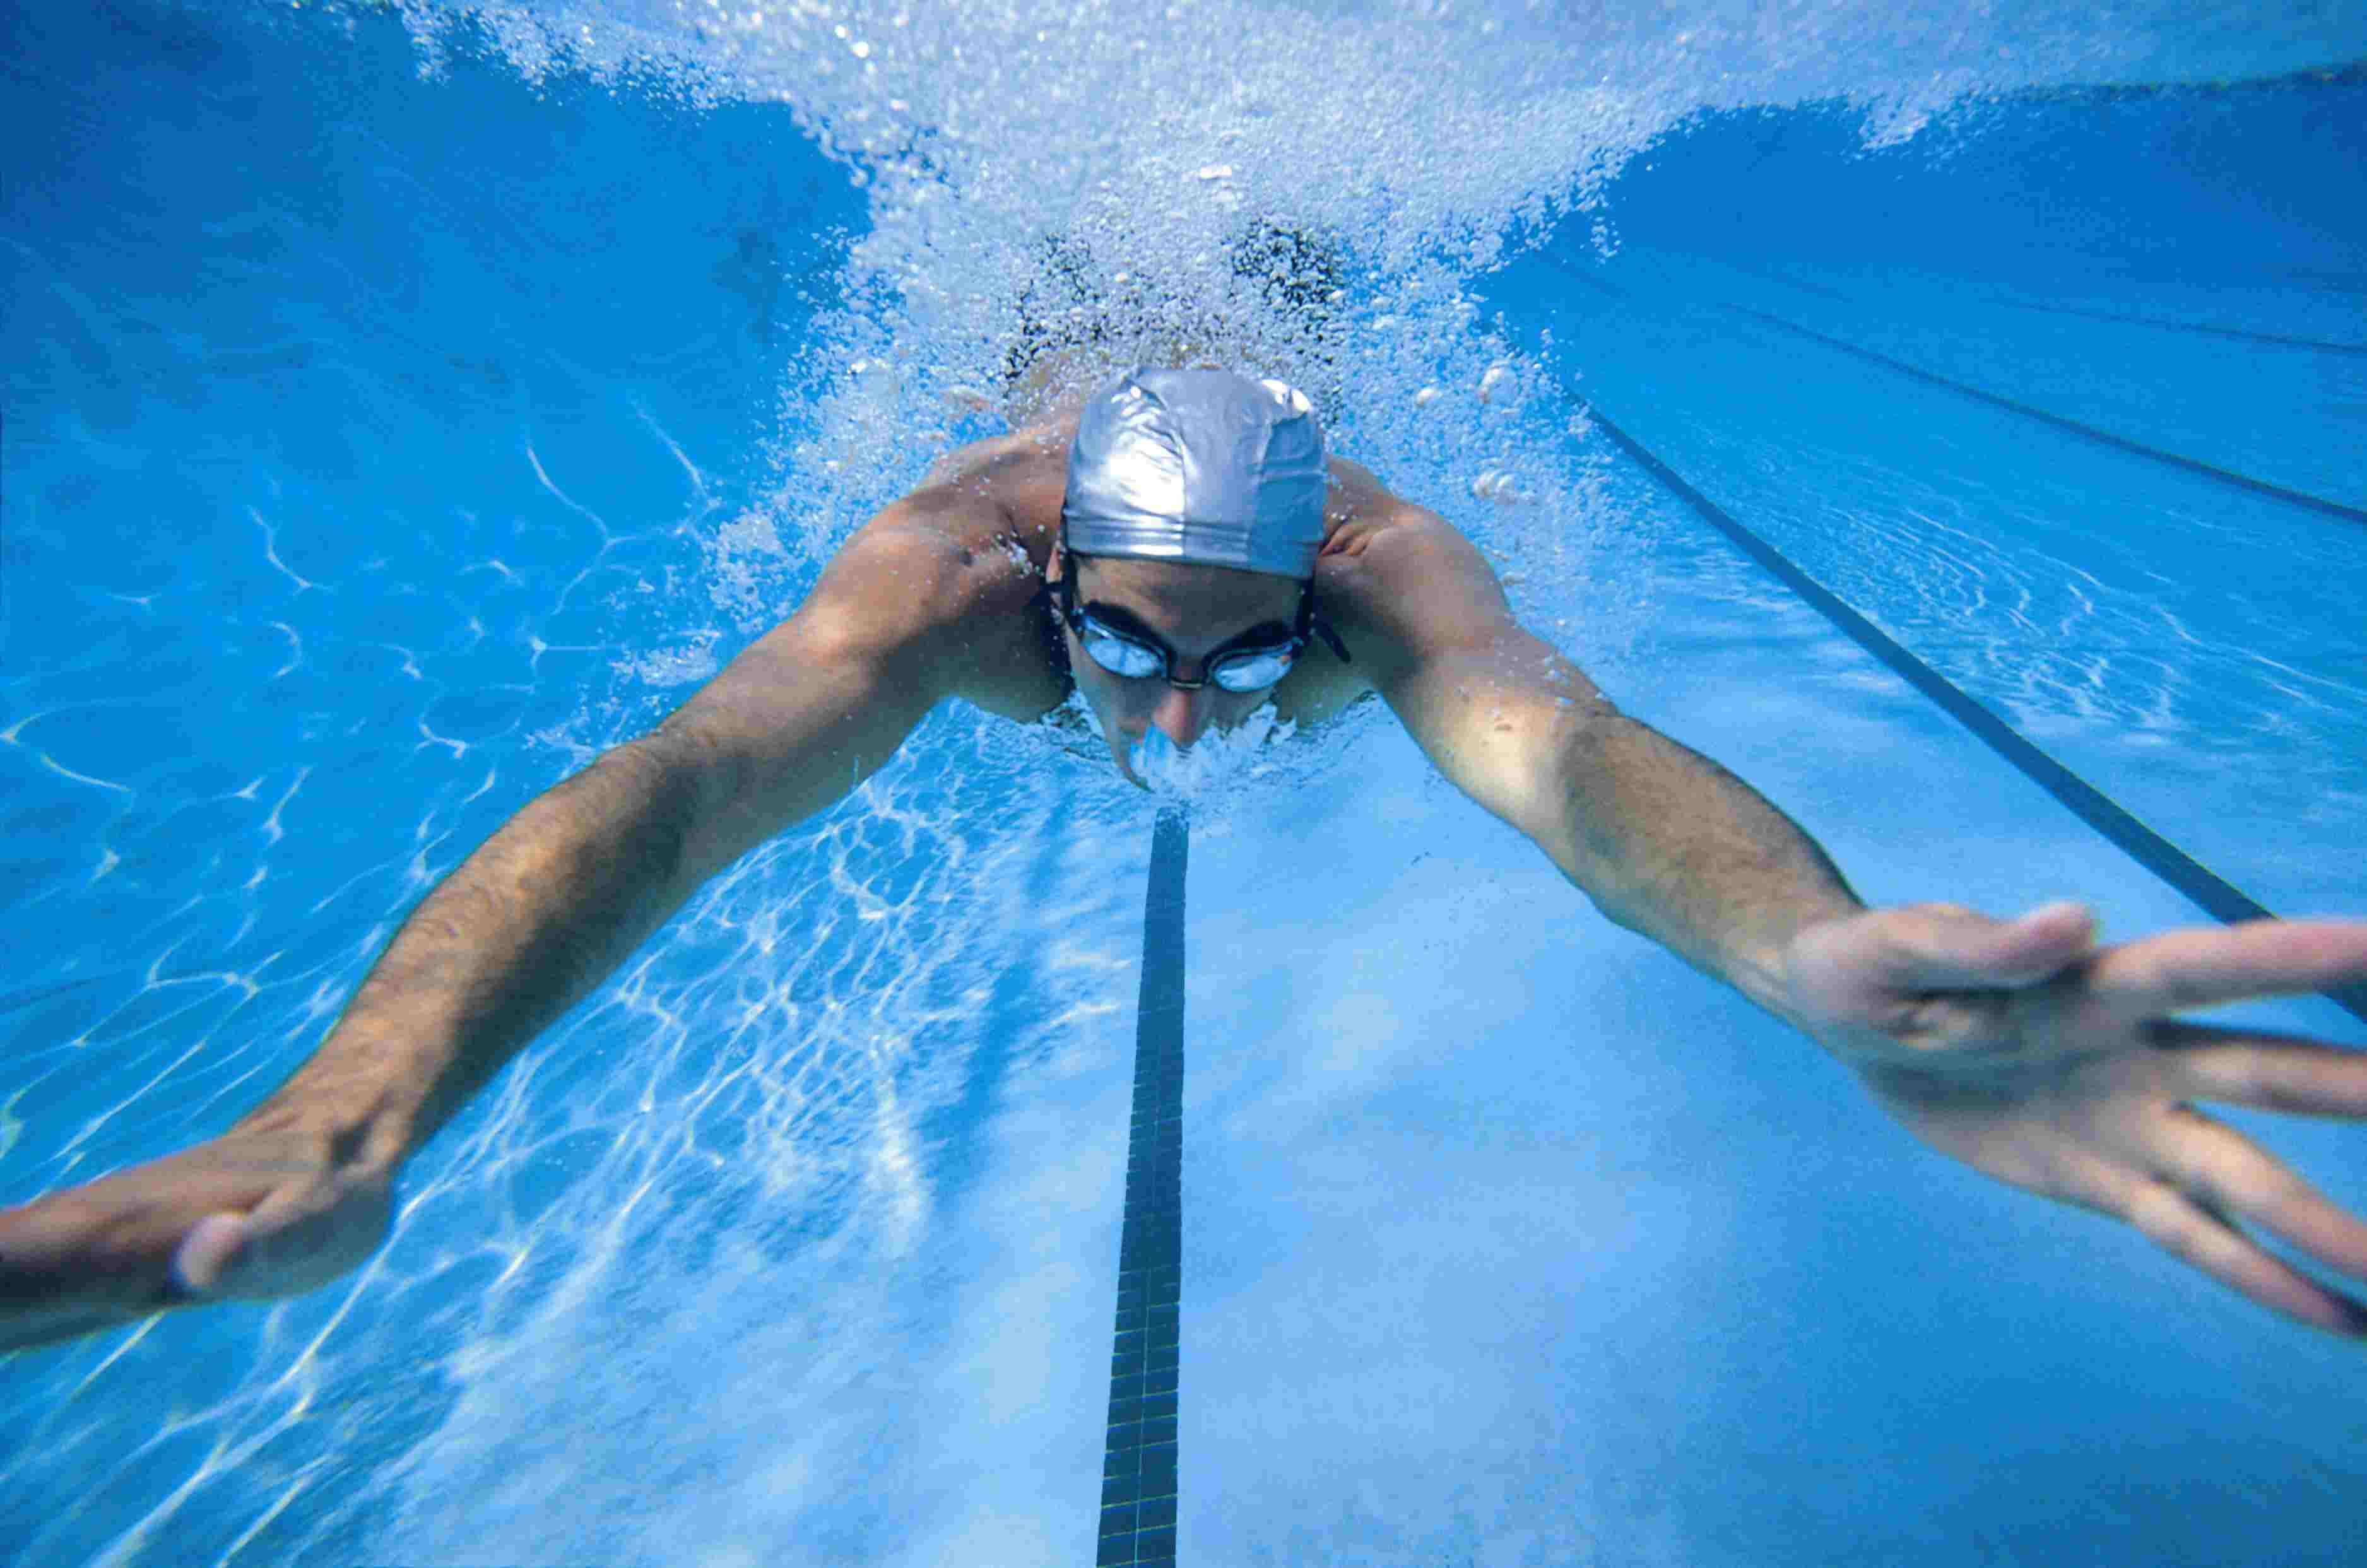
column 1184, row 716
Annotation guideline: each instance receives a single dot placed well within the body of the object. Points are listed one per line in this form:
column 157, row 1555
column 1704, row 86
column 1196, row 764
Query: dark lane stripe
column 1137, row 1523
column 2088, row 432
column 2148, row 848
column 2162, row 323
column 2166, row 324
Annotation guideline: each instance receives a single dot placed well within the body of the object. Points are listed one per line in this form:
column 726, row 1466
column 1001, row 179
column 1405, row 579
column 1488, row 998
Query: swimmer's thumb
column 213, row 1258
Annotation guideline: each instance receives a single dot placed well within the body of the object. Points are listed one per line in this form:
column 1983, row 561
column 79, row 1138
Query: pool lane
column 2210, row 892
column 2192, row 650
column 2284, row 412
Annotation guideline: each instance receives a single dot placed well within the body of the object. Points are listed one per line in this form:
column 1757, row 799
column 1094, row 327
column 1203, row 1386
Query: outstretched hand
column 258, row 1213
column 2026, row 1051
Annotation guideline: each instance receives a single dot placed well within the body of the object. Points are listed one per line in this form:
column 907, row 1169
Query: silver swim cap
column 1200, row 466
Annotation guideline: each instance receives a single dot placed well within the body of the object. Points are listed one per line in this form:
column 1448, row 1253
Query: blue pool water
column 404, row 403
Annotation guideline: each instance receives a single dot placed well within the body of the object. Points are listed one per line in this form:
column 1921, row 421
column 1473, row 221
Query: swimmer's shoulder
column 958, row 565
column 1358, row 510
column 991, row 508
column 1396, row 573
column 949, row 556
column 1024, row 471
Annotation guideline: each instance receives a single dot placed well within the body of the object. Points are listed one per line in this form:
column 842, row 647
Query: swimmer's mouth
column 1152, row 750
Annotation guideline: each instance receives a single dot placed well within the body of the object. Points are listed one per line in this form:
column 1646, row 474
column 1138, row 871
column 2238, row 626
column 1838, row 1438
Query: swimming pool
column 379, row 447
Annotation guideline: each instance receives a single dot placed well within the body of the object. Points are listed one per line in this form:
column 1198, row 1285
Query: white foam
column 1217, row 765
column 1432, row 138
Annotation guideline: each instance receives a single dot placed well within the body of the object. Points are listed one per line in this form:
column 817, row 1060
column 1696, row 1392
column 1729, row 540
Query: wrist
column 365, row 1130
column 1778, row 973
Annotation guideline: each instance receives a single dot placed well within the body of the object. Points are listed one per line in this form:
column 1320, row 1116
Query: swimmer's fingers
column 79, row 1261
column 2176, row 971
column 2271, row 1072
column 2188, row 1211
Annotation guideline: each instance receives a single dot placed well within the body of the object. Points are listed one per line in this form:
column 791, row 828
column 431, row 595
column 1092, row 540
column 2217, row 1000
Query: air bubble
column 1497, row 485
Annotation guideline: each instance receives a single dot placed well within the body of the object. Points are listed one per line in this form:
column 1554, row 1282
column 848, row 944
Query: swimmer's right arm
column 299, row 1190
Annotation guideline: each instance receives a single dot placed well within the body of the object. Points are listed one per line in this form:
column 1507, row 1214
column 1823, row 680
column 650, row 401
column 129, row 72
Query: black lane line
column 2162, row 323
column 1771, row 276
column 2147, row 848
column 2166, row 324
column 2088, row 432
column 1137, row 1521
column 2224, row 476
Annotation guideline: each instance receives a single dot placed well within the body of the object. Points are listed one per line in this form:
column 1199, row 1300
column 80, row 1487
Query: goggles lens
column 1252, row 669
column 1243, row 669
column 1119, row 655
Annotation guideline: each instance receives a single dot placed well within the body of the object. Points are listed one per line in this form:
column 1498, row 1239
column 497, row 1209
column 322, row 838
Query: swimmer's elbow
column 1521, row 758
column 1565, row 776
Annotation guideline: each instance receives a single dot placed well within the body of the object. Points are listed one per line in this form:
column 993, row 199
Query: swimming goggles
column 1136, row 655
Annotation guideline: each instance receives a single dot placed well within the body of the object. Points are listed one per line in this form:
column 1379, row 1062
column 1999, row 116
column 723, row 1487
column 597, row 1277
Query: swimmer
column 1180, row 548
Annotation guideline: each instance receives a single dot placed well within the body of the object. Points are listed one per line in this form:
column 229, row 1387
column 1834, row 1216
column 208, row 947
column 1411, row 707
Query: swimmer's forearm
column 523, row 930
column 1673, row 847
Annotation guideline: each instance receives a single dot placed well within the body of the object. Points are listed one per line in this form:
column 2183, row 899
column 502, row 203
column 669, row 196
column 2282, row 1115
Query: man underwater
column 1181, row 550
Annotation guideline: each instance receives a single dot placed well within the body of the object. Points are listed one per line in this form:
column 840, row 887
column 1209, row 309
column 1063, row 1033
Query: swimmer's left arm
column 1665, row 841
column 2019, row 1046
